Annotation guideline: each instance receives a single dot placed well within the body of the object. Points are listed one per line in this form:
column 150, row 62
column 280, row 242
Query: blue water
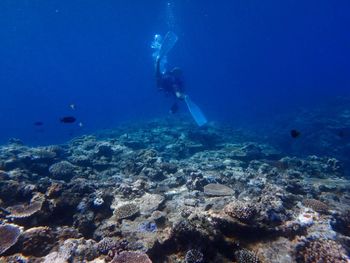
column 244, row 61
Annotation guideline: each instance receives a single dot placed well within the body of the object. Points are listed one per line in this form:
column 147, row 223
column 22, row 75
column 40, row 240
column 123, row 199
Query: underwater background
column 244, row 62
column 250, row 165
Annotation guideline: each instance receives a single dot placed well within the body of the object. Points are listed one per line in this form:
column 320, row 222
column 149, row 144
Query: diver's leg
column 174, row 108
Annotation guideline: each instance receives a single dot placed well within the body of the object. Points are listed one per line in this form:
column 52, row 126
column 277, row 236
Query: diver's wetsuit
column 170, row 82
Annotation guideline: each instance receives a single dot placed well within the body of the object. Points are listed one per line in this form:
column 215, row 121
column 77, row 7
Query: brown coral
column 321, row 250
column 241, row 211
column 62, row 170
column 217, row 190
column 342, row 223
column 44, row 154
column 9, row 235
column 126, row 211
column 316, row 205
column 131, row 257
column 22, row 211
column 37, row 241
column 54, row 190
column 106, row 244
column 246, row 256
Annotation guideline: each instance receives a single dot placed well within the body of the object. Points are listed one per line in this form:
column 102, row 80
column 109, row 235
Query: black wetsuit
column 170, row 82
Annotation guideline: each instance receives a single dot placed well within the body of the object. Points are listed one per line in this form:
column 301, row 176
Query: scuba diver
column 170, row 82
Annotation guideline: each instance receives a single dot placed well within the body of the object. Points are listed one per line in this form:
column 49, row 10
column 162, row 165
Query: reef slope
column 170, row 192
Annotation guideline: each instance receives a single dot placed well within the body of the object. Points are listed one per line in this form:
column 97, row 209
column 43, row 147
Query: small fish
column 68, row 119
column 341, row 134
column 81, row 124
column 295, row 133
column 38, row 123
column 72, row 106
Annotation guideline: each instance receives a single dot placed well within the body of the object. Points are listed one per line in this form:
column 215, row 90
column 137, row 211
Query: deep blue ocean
column 251, row 164
column 244, row 62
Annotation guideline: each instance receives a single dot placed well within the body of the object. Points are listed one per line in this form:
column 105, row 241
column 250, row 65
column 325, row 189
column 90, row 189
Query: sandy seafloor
column 167, row 191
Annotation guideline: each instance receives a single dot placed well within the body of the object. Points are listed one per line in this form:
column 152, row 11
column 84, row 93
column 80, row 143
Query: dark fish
column 295, row 133
column 68, row 119
column 341, row 134
column 38, row 123
column 174, row 108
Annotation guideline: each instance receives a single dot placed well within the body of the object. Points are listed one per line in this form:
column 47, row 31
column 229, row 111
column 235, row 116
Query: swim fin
column 168, row 43
column 196, row 112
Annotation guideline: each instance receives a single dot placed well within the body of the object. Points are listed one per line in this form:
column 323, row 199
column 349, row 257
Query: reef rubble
column 165, row 191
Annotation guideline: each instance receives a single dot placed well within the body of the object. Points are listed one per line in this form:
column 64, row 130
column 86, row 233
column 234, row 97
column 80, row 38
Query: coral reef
column 165, row 191
column 240, row 211
column 9, row 235
column 321, row 251
column 316, row 205
column 325, row 132
column 22, row 211
column 131, row 257
column 217, row 190
column 246, row 256
column 194, row 256
column 37, row 241
column 107, row 244
column 341, row 223
column 126, row 211
column 63, row 170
